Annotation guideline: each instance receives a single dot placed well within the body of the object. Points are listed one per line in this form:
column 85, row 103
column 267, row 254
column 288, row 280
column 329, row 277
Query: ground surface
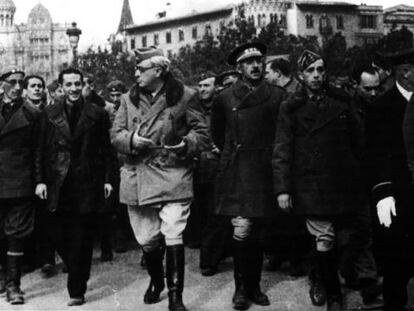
column 120, row 285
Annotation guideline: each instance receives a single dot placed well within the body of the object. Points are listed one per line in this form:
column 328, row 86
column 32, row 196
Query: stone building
column 397, row 16
column 38, row 47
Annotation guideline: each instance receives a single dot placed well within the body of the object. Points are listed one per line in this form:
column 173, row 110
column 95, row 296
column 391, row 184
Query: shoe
column 258, row 297
column 175, row 277
column 317, row 293
column 120, row 248
column 334, row 303
column 208, row 271
column 274, row 263
column 155, row 269
column 14, row 295
column 370, row 290
column 76, row 301
column 107, row 256
column 48, row 270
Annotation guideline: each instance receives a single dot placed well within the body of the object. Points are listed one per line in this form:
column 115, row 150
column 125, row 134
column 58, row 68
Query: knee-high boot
column 240, row 297
column 155, row 269
column 330, row 279
column 175, row 277
column 13, row 275
column 254, row 263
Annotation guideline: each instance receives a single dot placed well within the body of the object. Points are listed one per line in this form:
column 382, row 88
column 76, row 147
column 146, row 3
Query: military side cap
column 116, row 86
column 146, row 53
column 307, row 58
column 206, row 75
column 9, row 71
column 245, row 51
column 223, row 75
column 398, row 47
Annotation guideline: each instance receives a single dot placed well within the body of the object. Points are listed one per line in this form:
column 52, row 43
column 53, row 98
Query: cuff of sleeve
column 382, row 190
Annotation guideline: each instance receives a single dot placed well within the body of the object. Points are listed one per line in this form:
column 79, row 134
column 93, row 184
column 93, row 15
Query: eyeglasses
column 14, row 81
column 143, row 69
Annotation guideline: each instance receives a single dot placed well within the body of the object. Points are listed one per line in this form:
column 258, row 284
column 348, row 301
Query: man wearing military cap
column 390, row 160
column 226, row 79
column 160, row 128
column 316, row 164
column 19, row 148
column 243, row 125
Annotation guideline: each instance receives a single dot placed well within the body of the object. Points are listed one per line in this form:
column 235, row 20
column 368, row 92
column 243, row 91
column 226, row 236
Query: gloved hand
column 386, row 208
column 285, row 201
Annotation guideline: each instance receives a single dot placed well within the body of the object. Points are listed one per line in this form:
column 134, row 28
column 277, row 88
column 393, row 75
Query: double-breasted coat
column 243, row 126
column 87, row 152
column 387, row 168
column 156, row 175
column 19, row 148
column 317, row 155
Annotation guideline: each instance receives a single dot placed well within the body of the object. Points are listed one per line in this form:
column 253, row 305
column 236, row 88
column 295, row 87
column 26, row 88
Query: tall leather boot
column 254, row 263
column 13, row 274
column 240, row 297
column 175, row 277
column 330, row 280
column 155, row 269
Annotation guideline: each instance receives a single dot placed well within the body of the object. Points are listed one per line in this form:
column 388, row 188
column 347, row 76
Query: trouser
column 122, row 227
column 104, row 227
column 151, row 223
column 72, row 236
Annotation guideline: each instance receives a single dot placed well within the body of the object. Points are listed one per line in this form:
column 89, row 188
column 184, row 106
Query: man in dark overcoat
column 19, row 147
column 77, row 170
column 316, row 165
column 243, row 125
column 389, row 132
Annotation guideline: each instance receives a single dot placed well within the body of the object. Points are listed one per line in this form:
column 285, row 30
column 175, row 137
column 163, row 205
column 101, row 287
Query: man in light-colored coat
column 159, row 127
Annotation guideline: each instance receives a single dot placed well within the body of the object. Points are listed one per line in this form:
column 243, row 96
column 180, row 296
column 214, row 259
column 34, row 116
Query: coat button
column 234, row 109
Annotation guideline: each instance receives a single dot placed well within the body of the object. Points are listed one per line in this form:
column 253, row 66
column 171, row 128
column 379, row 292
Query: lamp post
column 74, row 34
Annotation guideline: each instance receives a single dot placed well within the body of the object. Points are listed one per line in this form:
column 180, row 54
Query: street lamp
column 74, row 34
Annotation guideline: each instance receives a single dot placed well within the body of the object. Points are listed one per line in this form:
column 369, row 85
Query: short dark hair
column 26, row 81
column 358, row 71
column 282, row 65
column 69, row 71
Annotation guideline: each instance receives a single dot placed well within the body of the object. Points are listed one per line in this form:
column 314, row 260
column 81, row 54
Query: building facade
column 38, row 47
column 398, row 16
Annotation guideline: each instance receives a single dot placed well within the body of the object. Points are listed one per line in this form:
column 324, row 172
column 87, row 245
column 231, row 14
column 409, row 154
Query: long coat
column 317, row 154
column 243, row 125
column 87, row 152
column 388, row 169
column 19, row 148
column 156, row 175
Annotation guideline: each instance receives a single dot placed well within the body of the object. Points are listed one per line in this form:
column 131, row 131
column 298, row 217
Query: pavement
column 120, row 285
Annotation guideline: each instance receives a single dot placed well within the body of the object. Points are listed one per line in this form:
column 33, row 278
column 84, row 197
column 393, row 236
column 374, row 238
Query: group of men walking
column 267, row 142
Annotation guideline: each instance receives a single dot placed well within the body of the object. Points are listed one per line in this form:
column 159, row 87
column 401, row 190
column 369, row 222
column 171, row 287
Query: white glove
column 386, row 208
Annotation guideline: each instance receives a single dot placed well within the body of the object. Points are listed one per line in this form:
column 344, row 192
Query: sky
column 99, row 18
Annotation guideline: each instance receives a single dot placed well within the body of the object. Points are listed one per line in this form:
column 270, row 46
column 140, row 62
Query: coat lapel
column 17, row 121
column 58, row 117
column 86, row 120
column 151, row 114
column 334, row 108
column 251, row 98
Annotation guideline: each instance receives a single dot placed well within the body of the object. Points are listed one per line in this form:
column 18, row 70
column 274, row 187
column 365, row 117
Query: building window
column 132, row 44
column 168, row 37
column 283, row 22
column 309, row 21
column 169, row 53
column 325, row 25
column 144, row 41
column 194, row 32
column 156, row 39
column 180, row 35
column 259, row 20
column 368, row 21
column 208, row 30
column 339, row 22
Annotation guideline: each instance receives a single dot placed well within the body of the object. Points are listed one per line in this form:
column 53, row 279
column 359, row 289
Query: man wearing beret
column 160, row 128
column 20, row 125
column 316, row 168
column 390, row 142
column 115, row 90
column 243, row 125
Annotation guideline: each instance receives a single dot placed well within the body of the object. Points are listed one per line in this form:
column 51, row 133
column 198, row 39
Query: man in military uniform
column 243, row 126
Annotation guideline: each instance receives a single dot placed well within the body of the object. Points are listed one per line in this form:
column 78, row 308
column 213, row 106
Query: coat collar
column 249, row 98
column 17, row 121
column 174, row 90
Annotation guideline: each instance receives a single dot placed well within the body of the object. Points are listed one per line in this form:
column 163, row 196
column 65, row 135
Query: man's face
column 115, row 97
column 252, row 68
column 314, row 75
column 35, row 89
column 146, row 74
column 271, row 76
column 206, row 88
column 72, row 86
column 369, row 86
column 13, row 86
column 405, row 76
column 87, row 88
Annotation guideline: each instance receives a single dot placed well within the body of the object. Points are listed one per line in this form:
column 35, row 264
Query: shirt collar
column 406, row 94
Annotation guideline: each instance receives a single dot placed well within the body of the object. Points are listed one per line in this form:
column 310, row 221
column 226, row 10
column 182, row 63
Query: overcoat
column 388, row 170
column 318, row 152
column 19, row 148
column 243, row 126
column 156, row 175
column 87, row 152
